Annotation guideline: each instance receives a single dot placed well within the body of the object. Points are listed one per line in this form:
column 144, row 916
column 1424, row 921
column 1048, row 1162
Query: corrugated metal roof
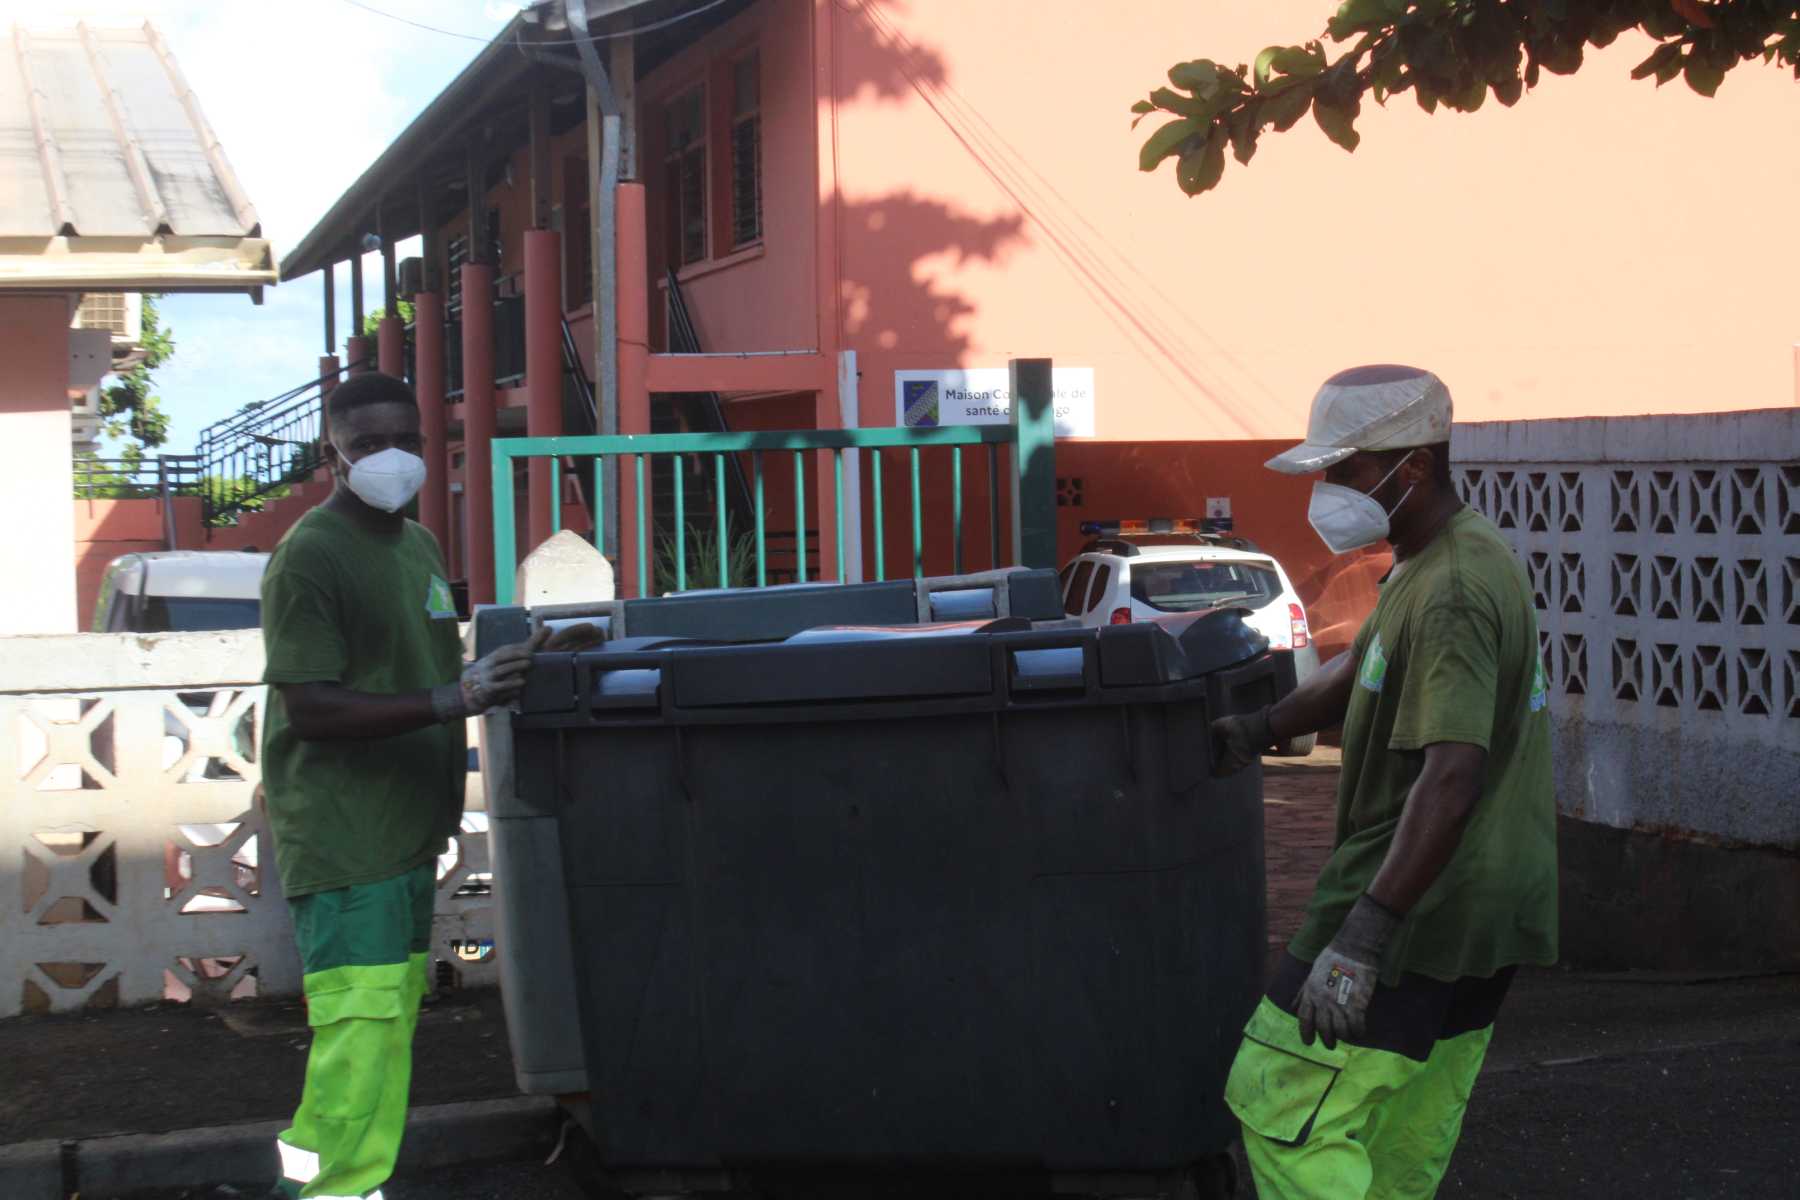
column 100, row 137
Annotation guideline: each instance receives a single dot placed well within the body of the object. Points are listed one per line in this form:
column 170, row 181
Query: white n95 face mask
column 1346, row 519
column 387, row 479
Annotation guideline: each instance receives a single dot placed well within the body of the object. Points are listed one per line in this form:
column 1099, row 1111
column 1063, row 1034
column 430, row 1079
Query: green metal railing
column 863, row 444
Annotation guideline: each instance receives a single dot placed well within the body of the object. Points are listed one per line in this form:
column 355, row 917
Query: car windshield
column 189, row 614
column 1189, row 586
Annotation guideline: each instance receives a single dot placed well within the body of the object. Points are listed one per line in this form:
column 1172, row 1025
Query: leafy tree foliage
column 372, row 321
column 130, row 409
column 1452, row 53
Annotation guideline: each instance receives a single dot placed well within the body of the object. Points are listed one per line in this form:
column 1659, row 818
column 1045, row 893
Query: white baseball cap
column 1370, row 408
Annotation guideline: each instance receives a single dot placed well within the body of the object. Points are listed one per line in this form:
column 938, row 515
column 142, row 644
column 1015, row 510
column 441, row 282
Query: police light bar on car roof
column 1195, row 525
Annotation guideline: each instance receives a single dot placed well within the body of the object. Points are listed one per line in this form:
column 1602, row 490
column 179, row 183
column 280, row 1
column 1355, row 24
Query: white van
column 181, row 591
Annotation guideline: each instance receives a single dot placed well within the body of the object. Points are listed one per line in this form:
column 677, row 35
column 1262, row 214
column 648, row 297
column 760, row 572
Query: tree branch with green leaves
column 1451, row 53
column 130, row 411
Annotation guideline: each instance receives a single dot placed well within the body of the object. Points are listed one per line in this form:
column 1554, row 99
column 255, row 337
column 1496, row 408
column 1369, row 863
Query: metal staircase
column 264, row 448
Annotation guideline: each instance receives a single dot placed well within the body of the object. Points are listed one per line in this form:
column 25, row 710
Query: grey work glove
column 1238, row 741
column 488, row 682
column 573, row 638
column 1334, row 1000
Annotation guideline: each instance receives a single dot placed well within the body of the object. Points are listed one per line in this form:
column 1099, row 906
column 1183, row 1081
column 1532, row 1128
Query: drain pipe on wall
column 603, row 192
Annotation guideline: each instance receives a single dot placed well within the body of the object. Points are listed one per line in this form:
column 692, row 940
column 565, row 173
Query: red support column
column 328, row 374
column 390, row 356
column 632, row 248
column 543, row 368
column 428, row 346
column 356, row 354
column 478, row 429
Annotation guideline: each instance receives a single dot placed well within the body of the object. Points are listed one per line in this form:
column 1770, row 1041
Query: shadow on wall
column 881, row 69
column 901, row 299
column 898, row 297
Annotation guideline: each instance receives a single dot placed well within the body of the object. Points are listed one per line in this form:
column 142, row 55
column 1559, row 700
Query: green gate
column 1019, row 462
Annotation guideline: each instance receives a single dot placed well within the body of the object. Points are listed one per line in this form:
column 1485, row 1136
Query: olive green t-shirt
column 342, row 603
column 1450, row 654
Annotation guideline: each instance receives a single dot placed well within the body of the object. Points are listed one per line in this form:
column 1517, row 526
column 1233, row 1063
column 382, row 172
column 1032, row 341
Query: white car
column 1136, row 570
column 181, row 591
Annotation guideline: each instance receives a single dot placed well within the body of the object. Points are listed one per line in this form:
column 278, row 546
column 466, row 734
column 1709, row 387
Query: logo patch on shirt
column 1374, row 666
column 1540, row 687
column 439, row 604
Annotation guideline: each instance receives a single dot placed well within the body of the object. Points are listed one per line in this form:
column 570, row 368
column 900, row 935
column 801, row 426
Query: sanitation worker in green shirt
column 1356, row 1067
column 364, row 762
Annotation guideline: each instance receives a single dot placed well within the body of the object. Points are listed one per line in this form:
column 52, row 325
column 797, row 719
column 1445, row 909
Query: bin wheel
column 580, row 1161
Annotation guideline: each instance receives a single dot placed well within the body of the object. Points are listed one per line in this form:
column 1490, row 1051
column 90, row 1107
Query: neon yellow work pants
column 1351, row 1123
column 364, row 953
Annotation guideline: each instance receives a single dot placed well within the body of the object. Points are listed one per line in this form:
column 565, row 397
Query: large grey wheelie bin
column 536, row 971
column 963, row 895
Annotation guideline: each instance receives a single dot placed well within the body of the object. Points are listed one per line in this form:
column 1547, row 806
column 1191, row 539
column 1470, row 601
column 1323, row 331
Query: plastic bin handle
column 1243, row 688
column 1059, row 661
column 609, row 682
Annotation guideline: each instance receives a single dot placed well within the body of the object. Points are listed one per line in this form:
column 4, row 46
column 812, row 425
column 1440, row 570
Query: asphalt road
column 1697, row 1123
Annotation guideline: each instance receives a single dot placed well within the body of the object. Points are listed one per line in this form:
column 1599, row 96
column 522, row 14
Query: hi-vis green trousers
column 364, row 951
column 1377, row 1120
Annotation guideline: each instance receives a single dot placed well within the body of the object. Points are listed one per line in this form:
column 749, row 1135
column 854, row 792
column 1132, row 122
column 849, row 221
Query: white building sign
column 983, row 396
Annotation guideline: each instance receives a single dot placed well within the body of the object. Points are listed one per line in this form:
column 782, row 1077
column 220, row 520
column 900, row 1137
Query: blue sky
column 303, row 94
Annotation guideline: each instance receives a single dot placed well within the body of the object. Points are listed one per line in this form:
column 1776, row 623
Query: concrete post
column 390, row 339
column 479, row 419
column 850, row 417
column 328, row 374
column 543, row 369
column 356, row 354
column 1034, row 463
column 428, row 347
column 631, row 246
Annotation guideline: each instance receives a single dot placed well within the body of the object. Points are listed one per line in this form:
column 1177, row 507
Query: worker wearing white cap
column 1356, row 1067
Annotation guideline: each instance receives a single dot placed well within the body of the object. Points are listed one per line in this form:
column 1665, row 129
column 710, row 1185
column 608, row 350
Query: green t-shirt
column 1450, row 654
column 342, row 603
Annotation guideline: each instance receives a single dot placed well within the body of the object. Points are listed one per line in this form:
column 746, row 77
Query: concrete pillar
column 390, row 340
column 543, row 368
column 328, row 376
column 479, row 420
column 428, row 366
column 631, row 245
column 357, row 353
column 37, row 484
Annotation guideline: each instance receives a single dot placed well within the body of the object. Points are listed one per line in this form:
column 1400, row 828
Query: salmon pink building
column 827, row 212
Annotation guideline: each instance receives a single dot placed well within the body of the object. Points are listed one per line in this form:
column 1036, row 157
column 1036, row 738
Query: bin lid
column 972, row 664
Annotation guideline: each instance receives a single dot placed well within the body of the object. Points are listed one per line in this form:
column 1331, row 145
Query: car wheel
column 1298, row 747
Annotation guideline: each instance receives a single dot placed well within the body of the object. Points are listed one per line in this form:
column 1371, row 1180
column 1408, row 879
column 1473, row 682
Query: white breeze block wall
column 1665, row 552
column 135, row 862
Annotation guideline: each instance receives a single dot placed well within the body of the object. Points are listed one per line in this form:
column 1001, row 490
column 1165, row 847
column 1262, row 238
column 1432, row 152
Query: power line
column 652, row 27
column 467, row 37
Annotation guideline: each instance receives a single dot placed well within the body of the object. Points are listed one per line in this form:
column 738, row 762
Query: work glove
column 1334, row 1000
column 488, row 682
column 576, row 637
column 1238, row 741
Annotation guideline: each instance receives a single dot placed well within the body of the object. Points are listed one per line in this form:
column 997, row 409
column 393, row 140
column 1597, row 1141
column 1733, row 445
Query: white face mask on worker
column 387, row 479
column 1346, row 519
